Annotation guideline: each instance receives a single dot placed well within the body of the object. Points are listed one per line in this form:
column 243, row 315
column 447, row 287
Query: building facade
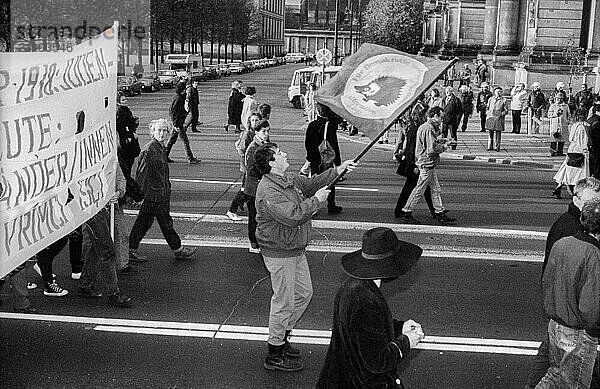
column 523, row 40
column 272, row 24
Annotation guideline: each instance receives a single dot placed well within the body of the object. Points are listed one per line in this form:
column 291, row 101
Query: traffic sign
column 323, row 56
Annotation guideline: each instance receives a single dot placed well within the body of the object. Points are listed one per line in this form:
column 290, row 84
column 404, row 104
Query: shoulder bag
column 326, row 151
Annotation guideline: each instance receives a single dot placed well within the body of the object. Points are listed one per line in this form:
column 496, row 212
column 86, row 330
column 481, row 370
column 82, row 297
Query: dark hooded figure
column 366, row 342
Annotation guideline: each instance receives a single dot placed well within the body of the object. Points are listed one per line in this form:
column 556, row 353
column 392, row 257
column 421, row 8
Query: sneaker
column 31, row 285
column 233, row 216
column 193, row 161
column 75, row 276
column 334, row 210
column 407, row 218
column 54, row 290
column 88, row 293
column 281, row 362
column 137, row 257
column 443, row 219
column 184, row 252
column 254, row 248
column 169, row 160
column 119, row 300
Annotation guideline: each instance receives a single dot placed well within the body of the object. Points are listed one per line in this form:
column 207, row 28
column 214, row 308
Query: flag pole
column 374, row 140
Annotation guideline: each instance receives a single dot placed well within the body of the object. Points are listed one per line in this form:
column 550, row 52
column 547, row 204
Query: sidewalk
column 516, row 149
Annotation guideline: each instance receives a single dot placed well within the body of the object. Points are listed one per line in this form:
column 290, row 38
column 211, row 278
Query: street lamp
column 335, row 38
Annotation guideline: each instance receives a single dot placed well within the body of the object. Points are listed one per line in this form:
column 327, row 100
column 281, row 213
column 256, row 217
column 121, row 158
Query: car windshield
column 125, row 80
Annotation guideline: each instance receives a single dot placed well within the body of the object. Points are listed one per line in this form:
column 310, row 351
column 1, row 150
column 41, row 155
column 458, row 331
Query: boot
column 289, row 350
column 276, row 360
column 553, row 148
column 559, row 150
column 557, row 192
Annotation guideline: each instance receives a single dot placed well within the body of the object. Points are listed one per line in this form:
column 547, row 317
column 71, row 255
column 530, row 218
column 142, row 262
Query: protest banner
column 376, row 85
column 58, row 143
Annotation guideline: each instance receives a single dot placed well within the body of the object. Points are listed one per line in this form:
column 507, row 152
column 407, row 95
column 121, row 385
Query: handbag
column 575, row 159
column 326, row 151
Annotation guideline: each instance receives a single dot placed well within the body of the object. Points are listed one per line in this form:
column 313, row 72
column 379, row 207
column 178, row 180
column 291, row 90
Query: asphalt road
column 202, row 323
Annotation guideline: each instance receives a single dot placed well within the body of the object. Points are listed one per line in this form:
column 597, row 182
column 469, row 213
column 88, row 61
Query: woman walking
column 559, row 115
column 576, row 164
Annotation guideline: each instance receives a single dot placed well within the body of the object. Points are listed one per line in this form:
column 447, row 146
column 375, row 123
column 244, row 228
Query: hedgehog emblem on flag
column 382, row 91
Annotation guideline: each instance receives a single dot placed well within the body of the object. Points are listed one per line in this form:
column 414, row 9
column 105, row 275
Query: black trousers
column 483, row 117
column 239, row 200
column 595, row 165
column 252, row 224
column 180, row 132
column 516, row 119
column 148, row 211
column 465, row 121
column 46, row 256
column 409, row 185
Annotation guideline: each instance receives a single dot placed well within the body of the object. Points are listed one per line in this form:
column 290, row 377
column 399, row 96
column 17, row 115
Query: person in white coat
column 250, row 106
column 577, row 162
column 517, row 104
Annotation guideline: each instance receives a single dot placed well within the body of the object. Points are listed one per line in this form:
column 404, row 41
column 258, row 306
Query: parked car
column 237, row 68
column 168, row 78
column 129, row 85
column 224, row 70
column 295, row 57
column 150, row 82
column 249, row 65
column 211, row 72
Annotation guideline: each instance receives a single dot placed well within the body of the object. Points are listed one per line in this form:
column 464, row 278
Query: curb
column 503, row 161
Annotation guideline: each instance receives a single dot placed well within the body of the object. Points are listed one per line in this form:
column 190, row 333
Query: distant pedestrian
column 235, row 106
column 452, row 113
column 518, row 102
column 576, row 164
column 536, row 102
column 466, row 99
column 129, row 145
column 449, row 77
column 179, row 117
column 560, row 88
column 594, row 141
column 435, row 99
column 367, row 343
column 427, row 153
column 310, row 104
column 192, row 100
column 482, row 72
column 584, row 99
column 153, row 177
column 568, row 224
column 249, row 106
column 285, row 204
column 481, row 105
column 494, row 124
column 560, row 116
column 571, row 296
column 465, row 75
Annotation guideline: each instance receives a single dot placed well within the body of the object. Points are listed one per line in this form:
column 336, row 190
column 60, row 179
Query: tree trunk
column 140, row 45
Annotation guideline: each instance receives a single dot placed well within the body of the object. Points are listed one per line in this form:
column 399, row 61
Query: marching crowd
column 366, row 343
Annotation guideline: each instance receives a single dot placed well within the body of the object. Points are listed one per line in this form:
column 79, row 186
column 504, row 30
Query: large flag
column 58, row 144
column 376, row 84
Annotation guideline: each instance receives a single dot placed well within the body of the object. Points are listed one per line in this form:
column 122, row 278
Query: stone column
column 508, row 26
column 489, row 28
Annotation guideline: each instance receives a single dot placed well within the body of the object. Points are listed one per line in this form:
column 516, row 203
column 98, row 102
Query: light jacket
column 519, row 99
column 284, row 207
column 496, row 111
column 428, row 148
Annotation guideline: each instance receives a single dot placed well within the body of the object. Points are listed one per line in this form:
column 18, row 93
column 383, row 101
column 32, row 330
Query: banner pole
column 374, row 140
column 112, row 221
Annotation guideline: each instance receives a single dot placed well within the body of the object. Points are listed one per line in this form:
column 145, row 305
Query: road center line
column 249, row 333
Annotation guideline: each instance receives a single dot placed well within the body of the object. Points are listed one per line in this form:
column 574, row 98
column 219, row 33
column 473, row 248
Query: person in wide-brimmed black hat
column 366, row 342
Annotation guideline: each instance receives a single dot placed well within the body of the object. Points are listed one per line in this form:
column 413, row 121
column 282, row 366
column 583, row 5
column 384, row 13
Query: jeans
column 315, row 169
column 46, row 256
column 252, row 219
column 516, row 119
column 148, row 211
column 427, row 178
column 409, row 185
column 449, row 129
column 182, row 131
column 238, row 201
column 494, row 137
column 100, row 256
column 292, row 292
column 572, row 355
column 121, row 238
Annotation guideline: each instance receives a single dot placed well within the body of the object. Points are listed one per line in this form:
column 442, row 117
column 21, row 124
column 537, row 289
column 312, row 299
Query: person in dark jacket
column 594, row 141
column 235, row 106
column 537, row 104
column 315, row 132
column 568, row 224
column 452, row 113
column 178, row 117
column 367, row 344
column 191, row 104
column 571, row 295
column 584, row 99
column 153, row 177
column 127, row 125
column 466, row 99
column 285, row 205
column 481, row 106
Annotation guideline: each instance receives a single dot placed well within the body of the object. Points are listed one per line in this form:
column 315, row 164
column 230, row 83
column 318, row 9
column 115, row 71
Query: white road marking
column 342, row 188
column 363, row 226
column 249, row 333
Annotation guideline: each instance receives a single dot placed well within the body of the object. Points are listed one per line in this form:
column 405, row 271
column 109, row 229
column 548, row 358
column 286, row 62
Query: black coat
column 567, row 224
column 314, row 137
column 453, row 110
column 366, row 343
column 177, row 110
column 234, row 109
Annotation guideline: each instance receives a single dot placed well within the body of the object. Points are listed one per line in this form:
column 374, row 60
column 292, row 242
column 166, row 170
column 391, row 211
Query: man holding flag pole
column 377, row 85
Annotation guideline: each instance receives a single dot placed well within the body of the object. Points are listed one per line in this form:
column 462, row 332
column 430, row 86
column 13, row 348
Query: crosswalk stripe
column 194, row 181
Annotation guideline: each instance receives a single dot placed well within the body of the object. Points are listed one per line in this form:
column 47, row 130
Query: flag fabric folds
column 376, row 84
